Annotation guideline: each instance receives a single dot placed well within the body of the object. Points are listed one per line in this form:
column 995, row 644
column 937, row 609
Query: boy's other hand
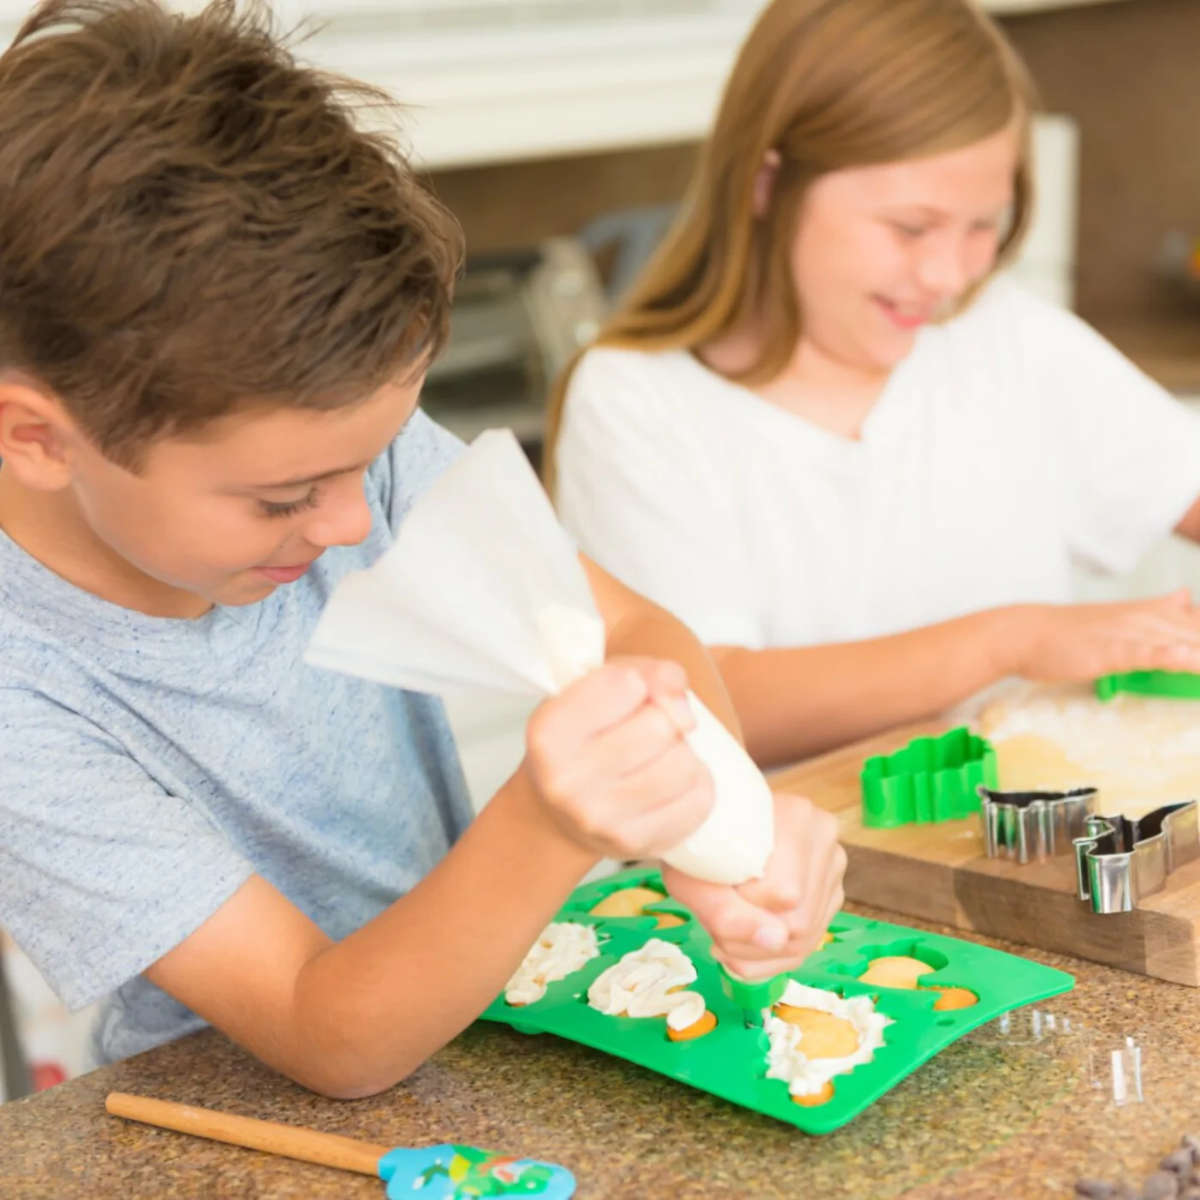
column 774, row 923
column 608, row 761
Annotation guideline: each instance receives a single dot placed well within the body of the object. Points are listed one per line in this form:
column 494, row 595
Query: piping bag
column 483, row 588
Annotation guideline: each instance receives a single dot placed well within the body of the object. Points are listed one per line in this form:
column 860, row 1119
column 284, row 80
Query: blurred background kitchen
column 561, row 132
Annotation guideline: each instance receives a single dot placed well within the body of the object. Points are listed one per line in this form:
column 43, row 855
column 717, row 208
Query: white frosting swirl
column 786, row 1059
column 648, row 983
column 563, row 947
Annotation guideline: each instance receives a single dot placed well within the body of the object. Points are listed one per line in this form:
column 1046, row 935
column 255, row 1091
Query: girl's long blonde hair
column 827, row 84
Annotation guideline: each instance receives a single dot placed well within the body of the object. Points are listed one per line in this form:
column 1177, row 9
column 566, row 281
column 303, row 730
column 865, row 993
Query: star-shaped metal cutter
column 1121, row 859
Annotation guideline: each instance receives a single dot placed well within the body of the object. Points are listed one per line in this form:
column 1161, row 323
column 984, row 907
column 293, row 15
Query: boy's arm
column 350, row 1018
column 606, row 774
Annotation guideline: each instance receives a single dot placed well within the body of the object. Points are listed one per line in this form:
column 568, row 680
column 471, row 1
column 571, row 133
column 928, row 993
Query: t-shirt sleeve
column 101, row 871
column 638, row 491
column 1126, row 451
column 415, row 458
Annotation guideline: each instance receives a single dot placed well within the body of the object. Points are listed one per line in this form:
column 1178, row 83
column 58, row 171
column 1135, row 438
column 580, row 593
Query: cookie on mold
column 706, row 1024
column 822, row 1035
column 895, row 971
column 632, row 902
column 951, row 998
column 814, row 1035
column 903, row 971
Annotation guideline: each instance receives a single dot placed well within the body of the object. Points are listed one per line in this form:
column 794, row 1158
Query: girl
column 825, row 432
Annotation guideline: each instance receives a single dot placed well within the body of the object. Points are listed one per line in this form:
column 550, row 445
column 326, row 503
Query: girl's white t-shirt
column 1012, row 441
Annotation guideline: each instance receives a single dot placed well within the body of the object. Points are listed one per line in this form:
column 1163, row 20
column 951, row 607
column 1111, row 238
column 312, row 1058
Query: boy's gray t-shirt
column 149, row 766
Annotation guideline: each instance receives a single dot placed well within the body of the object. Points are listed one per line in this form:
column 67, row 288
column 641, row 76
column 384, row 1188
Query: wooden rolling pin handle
column 328, row 1149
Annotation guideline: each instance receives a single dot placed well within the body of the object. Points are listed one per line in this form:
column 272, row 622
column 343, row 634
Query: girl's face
column 882, row 250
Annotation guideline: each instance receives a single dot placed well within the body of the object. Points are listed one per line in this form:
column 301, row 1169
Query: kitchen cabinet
column 498, row 80
column 503, row 80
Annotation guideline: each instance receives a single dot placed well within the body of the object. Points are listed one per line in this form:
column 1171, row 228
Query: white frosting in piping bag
column 736, row 838
column 738, row 835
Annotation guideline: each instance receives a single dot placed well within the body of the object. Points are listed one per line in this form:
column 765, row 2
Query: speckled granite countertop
column 1016, row 1113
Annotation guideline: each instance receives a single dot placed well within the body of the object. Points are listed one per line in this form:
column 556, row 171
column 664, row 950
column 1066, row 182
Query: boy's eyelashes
column 287, row 508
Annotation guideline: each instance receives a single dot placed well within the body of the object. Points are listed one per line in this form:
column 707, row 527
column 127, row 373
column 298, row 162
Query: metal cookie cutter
column 1121, row 859
column 1032, row 825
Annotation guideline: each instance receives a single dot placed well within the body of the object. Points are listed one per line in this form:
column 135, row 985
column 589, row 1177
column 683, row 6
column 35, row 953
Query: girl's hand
column 609, row 764
column 773, row 924
column 1078, row 642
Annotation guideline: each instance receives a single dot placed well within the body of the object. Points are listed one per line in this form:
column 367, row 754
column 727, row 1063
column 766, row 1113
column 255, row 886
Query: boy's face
column 246, row 505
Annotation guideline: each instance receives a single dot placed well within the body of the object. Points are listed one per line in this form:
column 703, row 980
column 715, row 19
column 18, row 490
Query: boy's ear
column 764, row 182
column 35, row 435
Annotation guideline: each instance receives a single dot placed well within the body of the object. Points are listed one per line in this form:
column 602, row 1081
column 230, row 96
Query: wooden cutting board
column 939, row 872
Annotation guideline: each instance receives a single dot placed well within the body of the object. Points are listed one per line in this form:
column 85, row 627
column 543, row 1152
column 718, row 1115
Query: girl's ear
column 764, row 182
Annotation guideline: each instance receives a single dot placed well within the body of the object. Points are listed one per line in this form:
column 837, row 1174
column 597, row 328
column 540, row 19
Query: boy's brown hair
column 190, row 222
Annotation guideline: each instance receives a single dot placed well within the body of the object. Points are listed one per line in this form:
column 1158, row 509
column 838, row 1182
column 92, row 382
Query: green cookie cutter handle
column 730, row 1062
column 930, row 779
column 1182, row 685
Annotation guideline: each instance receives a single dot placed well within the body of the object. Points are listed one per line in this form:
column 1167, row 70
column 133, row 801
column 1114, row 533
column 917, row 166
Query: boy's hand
column 1078, row 642
column 608, row 760
column 773, row 924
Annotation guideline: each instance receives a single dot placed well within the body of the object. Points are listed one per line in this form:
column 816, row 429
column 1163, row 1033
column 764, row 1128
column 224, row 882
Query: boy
column 217, row 302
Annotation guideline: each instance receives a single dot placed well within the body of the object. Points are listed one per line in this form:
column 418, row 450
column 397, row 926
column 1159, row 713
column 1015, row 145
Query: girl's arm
column 796, row 702
column 1189, row 523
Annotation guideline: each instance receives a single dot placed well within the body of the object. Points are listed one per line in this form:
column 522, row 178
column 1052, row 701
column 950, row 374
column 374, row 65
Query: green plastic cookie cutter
column 930, row 779
column 1181, row 685
column 730, row 1060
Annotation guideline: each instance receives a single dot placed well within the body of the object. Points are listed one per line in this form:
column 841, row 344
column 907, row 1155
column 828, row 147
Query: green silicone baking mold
column 1182, row 685
column 930, row 779
column 730, row 1062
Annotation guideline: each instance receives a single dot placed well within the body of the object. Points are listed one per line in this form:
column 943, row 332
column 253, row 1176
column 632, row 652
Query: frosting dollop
column 562, row 947
column 786, row 1059
column 650, row 982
